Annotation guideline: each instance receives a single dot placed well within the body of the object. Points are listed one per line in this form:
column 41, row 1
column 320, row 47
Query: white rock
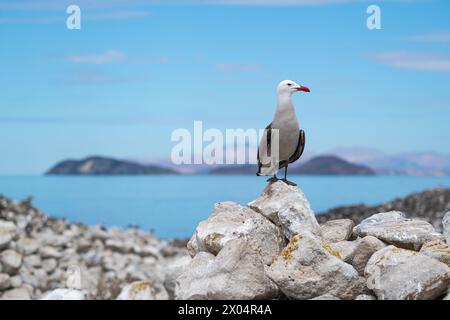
column 337, row 230
column 287, row 207
column 446, row 227
column 27, row 245
column 32, row 261
column 326, row 297
column 231, row 221
column 143, row 290
column 365, row 297
column 16, row 281
column 50, row 252
column 305, row 269
column 438, row 250
column 49, row 265
column 118, row 245
column 7, row 232
column 174, row 268
column 5, row 239
column 193, row 283
column 5, row 281
column 447, row 297
column 65, row 294
column 11, row 261
column 365, row 248
column 16, row 294
column 392, row 227
column 399, row 274
column 344, row 250
column 7, row 227
column 238, row 272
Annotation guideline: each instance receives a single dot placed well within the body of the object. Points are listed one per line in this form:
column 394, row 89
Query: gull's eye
column 289, row 84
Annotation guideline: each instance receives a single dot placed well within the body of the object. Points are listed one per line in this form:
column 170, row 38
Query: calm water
column 173, row 205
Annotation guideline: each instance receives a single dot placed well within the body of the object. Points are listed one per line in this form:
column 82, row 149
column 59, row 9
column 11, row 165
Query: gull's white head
column 289, row 86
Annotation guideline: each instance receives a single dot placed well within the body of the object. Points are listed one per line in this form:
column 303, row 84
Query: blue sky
column 139, row 69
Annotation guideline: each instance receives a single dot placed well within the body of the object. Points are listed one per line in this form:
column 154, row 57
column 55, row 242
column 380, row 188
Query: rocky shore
column 39, row 254
column 429, row 205
column 272, row 248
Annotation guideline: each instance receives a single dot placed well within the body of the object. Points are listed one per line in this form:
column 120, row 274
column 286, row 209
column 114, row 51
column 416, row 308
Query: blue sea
column 172, row 206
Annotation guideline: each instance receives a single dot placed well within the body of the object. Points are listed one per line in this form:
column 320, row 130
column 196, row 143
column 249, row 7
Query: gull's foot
column 290, row 183
column 273, row 179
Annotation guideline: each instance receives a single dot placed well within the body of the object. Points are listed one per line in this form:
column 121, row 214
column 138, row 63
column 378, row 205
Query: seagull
column 285, row 129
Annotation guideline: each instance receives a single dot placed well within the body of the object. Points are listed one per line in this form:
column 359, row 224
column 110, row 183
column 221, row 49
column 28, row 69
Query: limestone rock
column 365, row 248
column 230, row 221
column 305, row 269
column 49, row 252
column 365, row 297
column 399, row 274
column 438, row 250
column 65, row 294
column 16, row 281
column 237, row 272
column 337, row 230
column 446, row 227
column 49, row 265
column 7, row 232
column 447, row 297
column 143, row 290
column 11, row 261
column 392, row 227
column 27, row 245
column 5, row 281
column 16, row 294
column 326, row 297
column 175, row 268
column 287, row 207
column 193, row 283
column 344, row 250
column 5, row 239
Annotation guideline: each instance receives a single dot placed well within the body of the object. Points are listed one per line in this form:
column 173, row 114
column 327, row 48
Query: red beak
column 302, row 88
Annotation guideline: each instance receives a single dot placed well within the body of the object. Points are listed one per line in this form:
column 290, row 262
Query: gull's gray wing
column 264, row 144
column 300, row 147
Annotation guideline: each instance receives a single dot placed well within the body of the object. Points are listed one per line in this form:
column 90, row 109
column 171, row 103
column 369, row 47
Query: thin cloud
column 239, row 67
column 93, row 16
column 114, row 56
column 277, row 2
column 421, row 61
column 109, row 56
column 431, row 37
column 95, row 76
column 40, row 5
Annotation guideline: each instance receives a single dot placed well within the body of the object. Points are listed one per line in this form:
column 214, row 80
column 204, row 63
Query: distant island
column 97, row 165
column 332, row 165
column 321, row 165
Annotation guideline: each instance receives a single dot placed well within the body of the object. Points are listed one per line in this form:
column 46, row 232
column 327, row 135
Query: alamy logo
column 73, row 21
column 374, row 20
column 212, row 146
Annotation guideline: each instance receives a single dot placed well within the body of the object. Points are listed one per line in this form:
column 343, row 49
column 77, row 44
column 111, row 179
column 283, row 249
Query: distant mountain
column 105, row 166
column 235, row 169
column 331, row 165
column 322, row 165
column 411, row 163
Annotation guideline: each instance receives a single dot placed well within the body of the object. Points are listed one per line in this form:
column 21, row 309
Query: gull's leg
column 285, row 180
column 273, row 179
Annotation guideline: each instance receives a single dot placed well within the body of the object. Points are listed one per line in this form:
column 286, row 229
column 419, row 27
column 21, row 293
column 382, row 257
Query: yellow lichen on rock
column 330, row 250
column 291, row 247
column 140, row 286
